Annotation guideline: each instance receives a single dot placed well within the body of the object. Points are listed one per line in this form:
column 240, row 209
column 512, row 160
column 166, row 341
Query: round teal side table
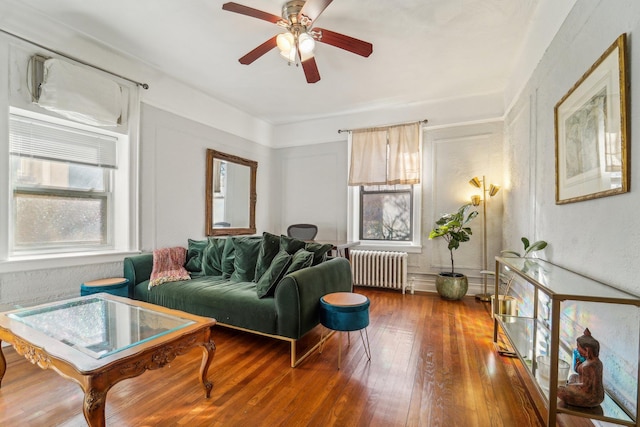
column 115, row 286
column 345, row 312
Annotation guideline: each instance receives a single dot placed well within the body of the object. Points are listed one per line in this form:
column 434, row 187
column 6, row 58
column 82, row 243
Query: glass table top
column 98, row 326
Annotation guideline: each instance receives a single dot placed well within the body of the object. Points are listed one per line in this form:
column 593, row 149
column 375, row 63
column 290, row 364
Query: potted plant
column 528, row 248
column 454, row 229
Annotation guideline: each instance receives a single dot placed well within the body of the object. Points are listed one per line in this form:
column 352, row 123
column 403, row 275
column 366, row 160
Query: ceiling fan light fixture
column 289, row 55
column 297, row 44
column 285, row 42
column 306, row 44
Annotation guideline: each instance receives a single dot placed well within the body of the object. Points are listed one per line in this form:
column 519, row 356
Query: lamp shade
column 285, row 42
column 493, row 190
column 306, row 44
column 290, row 55
column 475, row 181
column 475, row 200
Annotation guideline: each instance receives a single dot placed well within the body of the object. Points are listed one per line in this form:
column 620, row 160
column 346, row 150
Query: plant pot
column 452, row 286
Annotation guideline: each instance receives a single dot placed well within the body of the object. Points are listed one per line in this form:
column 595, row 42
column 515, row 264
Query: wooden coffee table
column 99, row 340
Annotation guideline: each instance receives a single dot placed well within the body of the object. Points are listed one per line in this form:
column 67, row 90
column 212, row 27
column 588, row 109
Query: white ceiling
column 423, row 50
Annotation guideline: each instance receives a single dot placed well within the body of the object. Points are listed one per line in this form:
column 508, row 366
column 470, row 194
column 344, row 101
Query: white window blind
column 48, row 141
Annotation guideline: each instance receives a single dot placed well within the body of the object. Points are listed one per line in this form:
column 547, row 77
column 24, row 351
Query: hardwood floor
column 433, row 364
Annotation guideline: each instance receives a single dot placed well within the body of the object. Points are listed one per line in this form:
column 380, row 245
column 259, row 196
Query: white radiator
column 379, row 269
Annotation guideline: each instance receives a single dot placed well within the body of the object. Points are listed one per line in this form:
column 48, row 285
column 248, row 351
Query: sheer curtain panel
column 404, row 154
column 385, row 156
column 368, row 157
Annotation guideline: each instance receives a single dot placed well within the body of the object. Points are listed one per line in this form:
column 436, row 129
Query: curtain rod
column 382, row 127
column 142, row 85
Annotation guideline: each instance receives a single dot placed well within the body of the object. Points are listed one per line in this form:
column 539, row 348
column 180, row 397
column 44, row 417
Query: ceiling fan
column 298, row 42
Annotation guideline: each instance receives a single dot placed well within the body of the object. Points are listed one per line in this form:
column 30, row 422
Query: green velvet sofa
column 229, row 285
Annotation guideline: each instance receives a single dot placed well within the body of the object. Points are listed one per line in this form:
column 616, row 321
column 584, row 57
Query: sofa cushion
column 291, row 244
column 168, row 266
column 212, row 257
column 231, row 303
column 319, row 250
column 268, row 250
column 246, row 251
column 228, row 257
column 195, row 251
column 299, row 260
column 266, row 285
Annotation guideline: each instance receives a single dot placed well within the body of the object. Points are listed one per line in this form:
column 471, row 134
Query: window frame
column 362, row 193
column 412, row 246
column 123, row 194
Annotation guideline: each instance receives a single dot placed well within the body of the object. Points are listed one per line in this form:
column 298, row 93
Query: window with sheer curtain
column 385, row 173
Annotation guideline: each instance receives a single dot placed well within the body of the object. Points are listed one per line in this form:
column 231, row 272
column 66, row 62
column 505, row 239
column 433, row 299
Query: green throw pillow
column 266, row 285
column 268, row 250
column 228, row 257
column 194, row 255
column 291, row 244
column 299, row 260
column 246, row 251
column 212, row 257
column 319, row 250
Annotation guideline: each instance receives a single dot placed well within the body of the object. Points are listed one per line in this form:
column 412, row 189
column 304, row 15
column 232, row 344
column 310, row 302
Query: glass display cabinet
column 539, row 310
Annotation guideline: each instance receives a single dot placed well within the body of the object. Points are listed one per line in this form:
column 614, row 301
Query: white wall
column 598, row 238
column 439, row 112
column 313, row 182
column 452, row 156
column 172, row 177
column 601, row 237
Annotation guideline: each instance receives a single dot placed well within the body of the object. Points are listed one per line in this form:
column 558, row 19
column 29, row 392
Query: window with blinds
column 62, row 179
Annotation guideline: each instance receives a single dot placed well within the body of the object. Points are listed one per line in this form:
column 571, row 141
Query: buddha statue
column 585, row 388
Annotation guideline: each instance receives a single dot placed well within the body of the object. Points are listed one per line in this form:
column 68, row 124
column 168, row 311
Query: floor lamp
column 476, row 200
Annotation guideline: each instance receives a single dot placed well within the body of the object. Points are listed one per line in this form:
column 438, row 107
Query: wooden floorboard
column 433, row 364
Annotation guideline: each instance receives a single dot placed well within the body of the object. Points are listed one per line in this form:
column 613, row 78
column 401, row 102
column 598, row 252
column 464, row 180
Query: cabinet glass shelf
column 553, row 304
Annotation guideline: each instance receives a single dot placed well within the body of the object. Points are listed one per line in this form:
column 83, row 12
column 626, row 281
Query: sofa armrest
column 138, row 268
column 297, row 297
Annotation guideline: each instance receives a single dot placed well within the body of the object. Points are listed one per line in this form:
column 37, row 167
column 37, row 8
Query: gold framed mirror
column 230, row 194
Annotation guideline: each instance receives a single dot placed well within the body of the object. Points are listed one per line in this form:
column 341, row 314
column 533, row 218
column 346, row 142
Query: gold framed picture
column 591, row 131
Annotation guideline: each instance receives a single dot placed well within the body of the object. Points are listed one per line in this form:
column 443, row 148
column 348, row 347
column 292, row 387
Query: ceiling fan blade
column 311, row 70
column 313, row 8
column 249, row 11
column 258, row 51
column 359, row 47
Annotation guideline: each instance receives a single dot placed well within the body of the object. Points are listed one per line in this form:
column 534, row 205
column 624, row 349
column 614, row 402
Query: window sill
column 44, row 262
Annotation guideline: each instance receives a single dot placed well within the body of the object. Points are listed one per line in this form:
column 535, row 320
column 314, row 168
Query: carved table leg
column 3, row 364
column 95, row 399
column 208, row 351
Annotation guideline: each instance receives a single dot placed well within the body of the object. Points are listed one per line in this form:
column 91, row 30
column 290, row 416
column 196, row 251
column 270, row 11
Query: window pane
column 386, row 216
column 50, row 220
column 29, row 171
